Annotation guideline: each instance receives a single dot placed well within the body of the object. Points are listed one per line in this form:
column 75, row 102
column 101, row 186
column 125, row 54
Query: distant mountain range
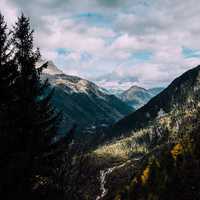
column 182, row 91
column 83, row 102
column 137, row 96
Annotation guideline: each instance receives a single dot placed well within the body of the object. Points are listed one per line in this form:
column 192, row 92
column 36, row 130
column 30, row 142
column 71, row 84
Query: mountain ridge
column 179, row 91
column 137, row 96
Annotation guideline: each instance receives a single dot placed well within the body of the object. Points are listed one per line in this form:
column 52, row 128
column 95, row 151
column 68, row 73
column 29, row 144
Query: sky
column 117, row 43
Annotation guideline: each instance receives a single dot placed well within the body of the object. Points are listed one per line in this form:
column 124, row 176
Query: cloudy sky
column 143, row 42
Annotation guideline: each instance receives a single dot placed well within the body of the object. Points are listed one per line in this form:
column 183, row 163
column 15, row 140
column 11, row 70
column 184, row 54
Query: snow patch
column 74, row 87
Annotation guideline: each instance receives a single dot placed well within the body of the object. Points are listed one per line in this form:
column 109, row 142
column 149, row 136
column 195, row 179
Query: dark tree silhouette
column 37, row 117
column 8, row 74
column 28, row 120
column 8, row 98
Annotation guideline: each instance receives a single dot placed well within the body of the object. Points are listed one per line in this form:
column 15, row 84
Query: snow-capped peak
column 51, row 68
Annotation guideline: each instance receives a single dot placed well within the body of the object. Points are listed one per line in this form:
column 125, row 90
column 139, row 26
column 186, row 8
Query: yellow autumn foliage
column 145, row 175
column 176, row 150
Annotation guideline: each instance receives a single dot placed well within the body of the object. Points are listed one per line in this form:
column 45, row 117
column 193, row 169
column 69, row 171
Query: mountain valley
column 121, row 161
column 82, row 102
column 127, row 129
column 173, row 117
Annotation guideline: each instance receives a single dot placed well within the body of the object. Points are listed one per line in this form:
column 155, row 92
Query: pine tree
column 37, row 120
column 8, row 75
column 4, row 61
column 8, row 98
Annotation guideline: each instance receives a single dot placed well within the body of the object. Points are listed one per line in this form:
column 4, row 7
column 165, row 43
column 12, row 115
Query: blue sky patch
column 86, row 57
column 93, row 19
column 63, row 51
column 190, row 53
column 143, row 55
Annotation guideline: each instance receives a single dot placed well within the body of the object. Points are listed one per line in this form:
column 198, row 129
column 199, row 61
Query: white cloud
column 64, row 34
column 8, row 11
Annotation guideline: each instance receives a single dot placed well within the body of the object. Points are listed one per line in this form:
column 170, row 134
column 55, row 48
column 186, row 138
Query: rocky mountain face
column 51, row 69
column 82, row 102
column 181, row 91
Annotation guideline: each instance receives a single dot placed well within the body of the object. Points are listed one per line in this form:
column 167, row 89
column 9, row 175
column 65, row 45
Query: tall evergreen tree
column 36, row 120
column 28, row 122
column 5, row 81
column 8, row 75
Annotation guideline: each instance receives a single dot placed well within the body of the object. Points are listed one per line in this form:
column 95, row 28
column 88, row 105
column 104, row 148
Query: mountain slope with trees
column 160, row 158
column 182, row 90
